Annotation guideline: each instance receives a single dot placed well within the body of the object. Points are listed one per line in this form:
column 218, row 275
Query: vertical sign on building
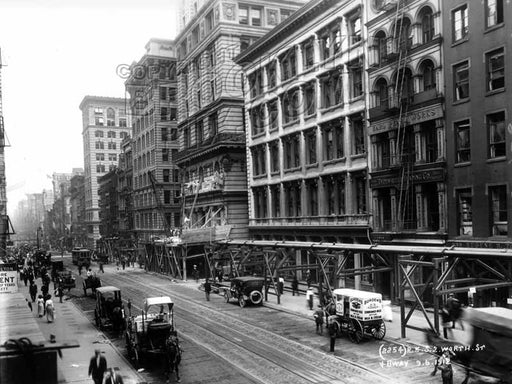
column 8, row 278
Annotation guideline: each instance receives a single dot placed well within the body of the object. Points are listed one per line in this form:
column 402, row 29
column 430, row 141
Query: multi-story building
column 78, row 231
column 153, row 102
column 212, row 154
column 105, row 125
column 478, row 103
column 305, row 114
column 406, row 121
column 478, row 106
column 108, row 204
column 125, row 192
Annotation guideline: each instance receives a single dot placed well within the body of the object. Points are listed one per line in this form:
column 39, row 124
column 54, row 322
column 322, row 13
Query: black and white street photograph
column 255, row 191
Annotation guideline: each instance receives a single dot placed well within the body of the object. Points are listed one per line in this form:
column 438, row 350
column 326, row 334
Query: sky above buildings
column 54, row 53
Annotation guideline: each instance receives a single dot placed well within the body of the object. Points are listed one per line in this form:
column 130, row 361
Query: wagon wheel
column 379, row 330
column 226, row 296
column 242, row 302
column 355, row 331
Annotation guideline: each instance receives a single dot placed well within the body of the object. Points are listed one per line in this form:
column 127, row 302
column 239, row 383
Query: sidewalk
column 71, row 324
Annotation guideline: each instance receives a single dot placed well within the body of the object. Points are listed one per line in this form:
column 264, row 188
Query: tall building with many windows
column 406, row 121
column 305, row 113
column 478, row 108
column 105, row 124
column 156, row 185
column 212, row 153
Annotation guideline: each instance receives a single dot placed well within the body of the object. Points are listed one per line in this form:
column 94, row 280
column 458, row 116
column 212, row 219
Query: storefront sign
column 415, row 177
column 8, row 278
column 410, row 118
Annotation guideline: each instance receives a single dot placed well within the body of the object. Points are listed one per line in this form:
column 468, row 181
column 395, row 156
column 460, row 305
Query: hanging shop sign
column 8, row 278
column 414, row 117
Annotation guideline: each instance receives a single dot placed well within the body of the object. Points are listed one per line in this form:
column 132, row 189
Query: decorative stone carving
column 272, row 17
column 228, row 11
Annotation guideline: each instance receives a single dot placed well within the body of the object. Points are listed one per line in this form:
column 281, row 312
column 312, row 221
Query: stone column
column 392, row 147
column 394, row 221
column 374, row 154
column 441, row 199
column 377, row 209
column 299, row 58
column 350, row 204
column 419, row 145
column 420, row 208
column 357, row 264
column 441, row 145
column 264, row 78
column 347, row 142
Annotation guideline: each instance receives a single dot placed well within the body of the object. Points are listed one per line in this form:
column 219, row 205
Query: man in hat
column 97, row 367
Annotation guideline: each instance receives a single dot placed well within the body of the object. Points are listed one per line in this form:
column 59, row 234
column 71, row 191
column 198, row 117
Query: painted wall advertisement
column 8, row 278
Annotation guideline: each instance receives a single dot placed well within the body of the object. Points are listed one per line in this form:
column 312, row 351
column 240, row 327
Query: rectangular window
column 257, row 118
column 256, row 83
column 165, row 155
column 311, row 147
column 167, row 196
column 163, row 93
column 273, row 115
column 256, row 17
column 463, row 141
column 276, row 201
column 460, row 23
column 172, row 94
column 310, row 99
column 166, row 175
column 112, row 145
column 498, row 209
column 212, row 124
column 186, row 138
column 288, row 65
column 497, row 134
column 312, row 191
column 199, row 132
column 465, row 212
column 274, row 157
column 356, row 78
column 358, row 135
column 112, row 156
column 354, row 26
column 495, row 63
column 163, row 114
column 333, row 141
column 271, row 74
column 461, row 81
column 243, row 14
column 291, row 152
column 493, row 12
column 100, row 156
column 290, row 106
column 308, row 54
column 332, row 90
column 164, row 133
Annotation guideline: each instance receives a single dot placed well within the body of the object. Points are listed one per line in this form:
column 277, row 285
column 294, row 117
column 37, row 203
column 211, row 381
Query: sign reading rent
column 8, row 278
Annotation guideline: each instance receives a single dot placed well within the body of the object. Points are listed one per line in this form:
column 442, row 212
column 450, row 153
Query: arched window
column 403, row 35
column 111, row 117
column 428, row 75
column 427, row 24
column 404, row 84
column 381, row 93
column 381, row 46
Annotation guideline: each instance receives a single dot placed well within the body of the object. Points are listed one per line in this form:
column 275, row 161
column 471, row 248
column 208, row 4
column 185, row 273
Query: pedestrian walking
column 101, row 267
column 80, row 270
column 295, row 286
column 123, row 262
column 33, row 291
column 308, row 278
column 24, row 275
column 40, row 306
column 332, row 335
column 444, row 364
column 31, row 274
column 59, row 292
column 319, row 320
column 97, row 367
column 207, row 289
column 29, row 303
column 50, row 309
column 309, row 298
column 195, row 273
column 112, row 377
column 280, row 284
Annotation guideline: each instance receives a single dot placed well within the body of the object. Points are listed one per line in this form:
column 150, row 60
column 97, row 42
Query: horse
column 117, row 319
column 173, row 356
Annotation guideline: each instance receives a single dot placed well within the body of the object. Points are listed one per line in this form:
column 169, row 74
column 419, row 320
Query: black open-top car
column 246, row 289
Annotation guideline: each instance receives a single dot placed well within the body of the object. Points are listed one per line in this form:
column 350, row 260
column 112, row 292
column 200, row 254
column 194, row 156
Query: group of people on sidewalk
column 43, row 301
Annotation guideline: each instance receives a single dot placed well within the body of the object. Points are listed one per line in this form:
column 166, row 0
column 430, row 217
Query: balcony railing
column 331, row 220
column 428, row 95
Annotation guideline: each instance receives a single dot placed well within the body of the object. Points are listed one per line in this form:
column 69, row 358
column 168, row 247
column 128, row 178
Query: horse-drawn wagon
column 358, row 314
column 92, row 282
column 152, row 334
column 109, row 311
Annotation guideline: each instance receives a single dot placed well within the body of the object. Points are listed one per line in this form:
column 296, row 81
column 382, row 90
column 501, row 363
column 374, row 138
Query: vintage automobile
column 109, row 311
column 246, row 289
column 91, row 282
column 358, row 314
column 65, row 279
column 146, row 334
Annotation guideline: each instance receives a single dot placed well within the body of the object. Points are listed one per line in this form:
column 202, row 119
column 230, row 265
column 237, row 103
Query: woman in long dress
column 40, row 306
column 50, row 315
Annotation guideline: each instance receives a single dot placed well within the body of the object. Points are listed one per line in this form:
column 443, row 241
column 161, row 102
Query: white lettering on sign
column 8, row 281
